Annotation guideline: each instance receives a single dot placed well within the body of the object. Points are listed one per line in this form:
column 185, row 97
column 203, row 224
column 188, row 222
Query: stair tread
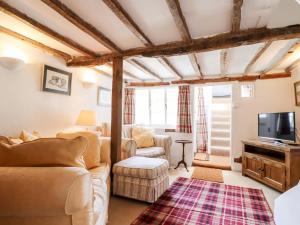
column 220, row 138
column 220, row 147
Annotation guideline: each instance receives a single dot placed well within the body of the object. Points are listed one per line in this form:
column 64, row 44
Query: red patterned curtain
column 184, row 124
column 129, row 106
column 201, row 136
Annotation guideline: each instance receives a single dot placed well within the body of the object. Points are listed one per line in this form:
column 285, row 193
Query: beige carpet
column 209, row 174
column 215, row 161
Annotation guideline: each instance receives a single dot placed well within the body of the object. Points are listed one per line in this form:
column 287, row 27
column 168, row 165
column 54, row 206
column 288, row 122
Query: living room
column 118, row 123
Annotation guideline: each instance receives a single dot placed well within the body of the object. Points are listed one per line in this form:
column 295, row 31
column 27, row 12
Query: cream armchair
column 161, row 149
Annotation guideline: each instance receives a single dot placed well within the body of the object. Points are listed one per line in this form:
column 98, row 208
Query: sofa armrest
column 128, row 148
column 44, row 191
column 164, row 141
column 105, row 150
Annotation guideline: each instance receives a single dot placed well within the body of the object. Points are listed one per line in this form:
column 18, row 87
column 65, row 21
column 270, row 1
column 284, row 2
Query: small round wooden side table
column 183, row 142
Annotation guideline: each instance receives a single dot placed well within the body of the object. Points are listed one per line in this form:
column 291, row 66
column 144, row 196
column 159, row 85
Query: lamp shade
column 86, row 118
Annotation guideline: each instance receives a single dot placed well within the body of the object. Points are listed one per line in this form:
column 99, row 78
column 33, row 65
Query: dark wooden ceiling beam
column 237, row 14
column 144, row 68
column 11, row 11
column 260, row 52
column 288, row 53
column 212, row 80
column 293, row 66
column 236, row 78
column 175, row 9
column 224, row 61
column 86, row 27
column 37, row 44
column 125, row 18
column 121, row 13
column 220, row 41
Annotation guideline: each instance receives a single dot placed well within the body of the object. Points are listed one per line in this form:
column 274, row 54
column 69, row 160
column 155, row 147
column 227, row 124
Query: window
column 247, row 90
column 156, row 107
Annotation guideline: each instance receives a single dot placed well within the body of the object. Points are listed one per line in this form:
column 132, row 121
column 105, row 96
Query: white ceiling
column 203, row 17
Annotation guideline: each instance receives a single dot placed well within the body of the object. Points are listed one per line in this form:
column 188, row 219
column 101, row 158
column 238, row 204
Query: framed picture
column 57, row 81
column 297, row 93
column 104, row 96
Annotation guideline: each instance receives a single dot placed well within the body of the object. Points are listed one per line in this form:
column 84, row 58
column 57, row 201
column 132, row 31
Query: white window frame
column 165, row 125
column 253, row 91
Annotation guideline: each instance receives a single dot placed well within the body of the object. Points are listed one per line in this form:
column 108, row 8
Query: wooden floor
column 215, row 161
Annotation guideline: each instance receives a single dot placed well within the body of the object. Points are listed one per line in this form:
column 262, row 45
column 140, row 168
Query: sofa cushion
column 43, row 191
column 102, row 171
column 151, row 152
column 92, row 155
column 44, row 152
column 143, row 137
column 27, row 136
column 141, row 167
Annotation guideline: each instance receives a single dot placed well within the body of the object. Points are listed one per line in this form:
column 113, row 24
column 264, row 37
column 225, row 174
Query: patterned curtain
column 129, row 106
column 184, row 124
column 201, row 135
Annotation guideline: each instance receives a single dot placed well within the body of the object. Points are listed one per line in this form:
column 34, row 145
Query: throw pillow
column 92, row 154
column 45, row 152
column 143, row 137
column 27, row 136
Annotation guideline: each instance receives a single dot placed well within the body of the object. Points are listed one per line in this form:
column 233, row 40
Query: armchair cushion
column 49, row 152
column 143, row 137
column 92, row 153
column 151, row 152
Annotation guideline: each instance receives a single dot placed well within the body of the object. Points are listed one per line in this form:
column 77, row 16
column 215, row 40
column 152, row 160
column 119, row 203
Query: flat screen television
column 277, row 126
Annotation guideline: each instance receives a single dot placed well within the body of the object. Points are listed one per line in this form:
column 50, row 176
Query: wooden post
column 116, row 111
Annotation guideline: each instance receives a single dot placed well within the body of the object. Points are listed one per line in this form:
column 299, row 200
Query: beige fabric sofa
column 56, row 195
column 161, row 148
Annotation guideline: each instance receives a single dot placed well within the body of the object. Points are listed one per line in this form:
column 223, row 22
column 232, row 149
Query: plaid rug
column 194, row 202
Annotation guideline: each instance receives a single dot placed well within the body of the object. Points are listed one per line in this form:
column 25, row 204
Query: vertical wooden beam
column 116, row 110
column 224, row 62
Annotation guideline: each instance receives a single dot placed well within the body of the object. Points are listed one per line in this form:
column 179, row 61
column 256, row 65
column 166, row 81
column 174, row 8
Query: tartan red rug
column 195, row 202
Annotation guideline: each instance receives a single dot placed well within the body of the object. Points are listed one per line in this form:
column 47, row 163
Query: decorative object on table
column 297, row 93
column 104, row 96
column 192, row 201
column 183, row 142
column 86, row 118
column 57, row 81
column 208, row 174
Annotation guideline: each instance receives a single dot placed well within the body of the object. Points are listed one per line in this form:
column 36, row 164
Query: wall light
column 11, row 63
column 89, row 79
column 11, row 58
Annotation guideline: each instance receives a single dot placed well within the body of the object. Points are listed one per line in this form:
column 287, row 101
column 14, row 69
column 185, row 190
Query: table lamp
column 86, row 118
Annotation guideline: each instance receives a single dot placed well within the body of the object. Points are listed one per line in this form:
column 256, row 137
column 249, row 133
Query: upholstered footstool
column 141, row 178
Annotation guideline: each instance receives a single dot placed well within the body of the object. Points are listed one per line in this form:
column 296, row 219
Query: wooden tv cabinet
column 277, row 166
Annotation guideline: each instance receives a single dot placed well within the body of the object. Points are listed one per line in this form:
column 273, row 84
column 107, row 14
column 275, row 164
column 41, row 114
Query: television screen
column 279, row 126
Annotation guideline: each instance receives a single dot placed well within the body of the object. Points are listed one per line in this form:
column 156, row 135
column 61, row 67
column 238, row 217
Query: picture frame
column 104, row 96
column 297, row 93
column 57, row 81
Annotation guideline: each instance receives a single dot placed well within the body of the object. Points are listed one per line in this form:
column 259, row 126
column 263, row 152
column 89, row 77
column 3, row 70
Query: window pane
column 247, row 90
column 157, row 106
column 142, row 107
column 172, row 98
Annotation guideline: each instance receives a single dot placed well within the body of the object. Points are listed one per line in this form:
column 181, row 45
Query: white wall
column 296, row 77
column 272, row 95
column 25, row 106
